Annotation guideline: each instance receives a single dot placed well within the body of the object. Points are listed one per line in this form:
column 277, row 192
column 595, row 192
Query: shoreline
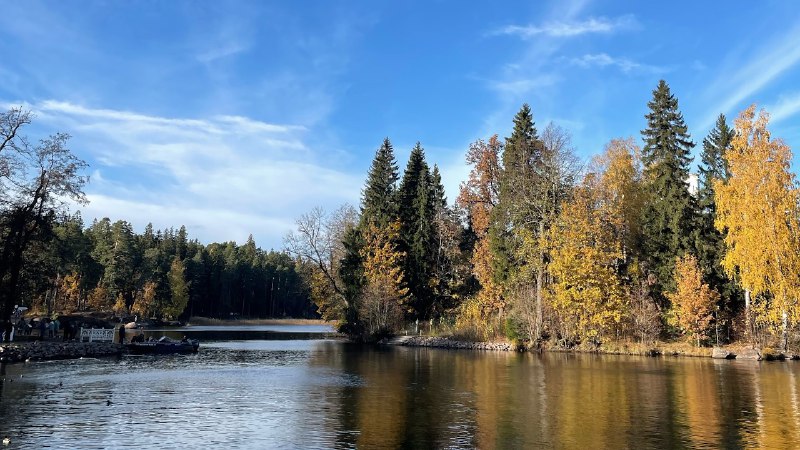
column 207, row 321
column 741, row 352
column 24, row 351
column 18, row 352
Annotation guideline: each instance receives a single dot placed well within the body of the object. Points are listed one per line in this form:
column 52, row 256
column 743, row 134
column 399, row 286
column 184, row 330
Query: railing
column 97, row 334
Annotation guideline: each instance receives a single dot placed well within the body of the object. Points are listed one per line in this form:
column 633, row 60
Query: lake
column 300, row 387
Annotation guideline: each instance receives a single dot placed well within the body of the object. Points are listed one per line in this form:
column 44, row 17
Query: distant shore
column 206, row 321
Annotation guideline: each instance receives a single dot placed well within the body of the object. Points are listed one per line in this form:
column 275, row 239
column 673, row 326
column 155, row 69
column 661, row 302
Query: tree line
column 541, row 247
column 51, row 261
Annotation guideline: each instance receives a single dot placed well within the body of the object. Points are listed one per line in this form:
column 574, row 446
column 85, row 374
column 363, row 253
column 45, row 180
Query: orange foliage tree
column 478, row 196
column 693, row 301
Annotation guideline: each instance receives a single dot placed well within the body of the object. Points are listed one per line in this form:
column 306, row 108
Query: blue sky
column 235, row 117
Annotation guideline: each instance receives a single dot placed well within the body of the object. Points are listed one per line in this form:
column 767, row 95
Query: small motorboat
column 163, row 346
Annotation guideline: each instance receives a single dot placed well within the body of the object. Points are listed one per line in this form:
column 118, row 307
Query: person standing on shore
column 42, row 329
column 122, row 333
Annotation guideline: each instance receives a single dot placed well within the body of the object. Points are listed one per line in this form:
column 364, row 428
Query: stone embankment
column 41, row 351
column 445, row 342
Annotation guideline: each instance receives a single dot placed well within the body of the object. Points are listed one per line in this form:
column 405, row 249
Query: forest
column 539, row 247
column 542, row 248
column 52, row 263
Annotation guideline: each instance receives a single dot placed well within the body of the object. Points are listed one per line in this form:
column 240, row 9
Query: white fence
column 97, row 334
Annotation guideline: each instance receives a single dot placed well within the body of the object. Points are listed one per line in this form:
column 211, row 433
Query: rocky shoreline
column 43, row 351
column 446, row 342
column 740, row 353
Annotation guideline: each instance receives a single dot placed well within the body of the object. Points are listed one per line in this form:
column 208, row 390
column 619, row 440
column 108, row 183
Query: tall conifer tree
column 520, row 156
column 669, row 210
column 417, row 233
column 378, row 201
column 710, row 245
column 378, row 209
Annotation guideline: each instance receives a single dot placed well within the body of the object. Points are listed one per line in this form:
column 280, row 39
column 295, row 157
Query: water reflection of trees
column 436, row 398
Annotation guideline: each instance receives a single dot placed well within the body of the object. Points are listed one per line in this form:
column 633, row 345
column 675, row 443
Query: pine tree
column 668, row 215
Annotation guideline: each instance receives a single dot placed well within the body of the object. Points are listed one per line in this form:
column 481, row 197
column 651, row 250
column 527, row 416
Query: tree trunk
column 539, row 282
column 784, row 330
column 749, row 323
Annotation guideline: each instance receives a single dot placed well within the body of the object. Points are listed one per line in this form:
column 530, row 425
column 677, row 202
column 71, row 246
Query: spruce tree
column 351, row 272
column 710, row 245
column 521, row 155
column 379, row 208
column 669, row 213
column 417, row 234
column 378, row 201
column 439, row 195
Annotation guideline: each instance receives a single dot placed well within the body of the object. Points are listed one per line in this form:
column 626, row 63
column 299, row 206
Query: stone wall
column 41, row 351
column 444, row 342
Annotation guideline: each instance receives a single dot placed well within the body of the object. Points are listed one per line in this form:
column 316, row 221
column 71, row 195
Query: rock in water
column 721, row 353
column 750, row 354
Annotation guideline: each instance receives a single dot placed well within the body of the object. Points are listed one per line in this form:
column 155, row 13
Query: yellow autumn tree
column 586, row 291
column 384, row 298
column 119, row 306
column 69, row 293
column 99, row 298
column 145, row 302
column 757, row 209
column 179, row 290
column 693, row 301
column 618, row 188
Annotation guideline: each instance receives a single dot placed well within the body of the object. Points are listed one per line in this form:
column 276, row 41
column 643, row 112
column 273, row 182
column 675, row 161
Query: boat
column 163, row 346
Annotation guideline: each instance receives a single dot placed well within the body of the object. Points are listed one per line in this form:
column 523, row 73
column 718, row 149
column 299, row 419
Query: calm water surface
column 269, row 387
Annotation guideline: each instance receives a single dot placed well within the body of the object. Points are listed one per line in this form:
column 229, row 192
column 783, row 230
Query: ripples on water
column 311, row 393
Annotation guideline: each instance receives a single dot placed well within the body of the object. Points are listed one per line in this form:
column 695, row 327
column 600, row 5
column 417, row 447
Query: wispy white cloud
column 523, row 85
column 222, row 50
column 222, row 176
column 733, row 87
column 594, row 25
column 605, row 60
column 787, row 106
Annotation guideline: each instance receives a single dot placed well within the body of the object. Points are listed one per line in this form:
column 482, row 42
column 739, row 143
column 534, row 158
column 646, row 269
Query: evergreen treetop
column 378, row 200
column 712, row 164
